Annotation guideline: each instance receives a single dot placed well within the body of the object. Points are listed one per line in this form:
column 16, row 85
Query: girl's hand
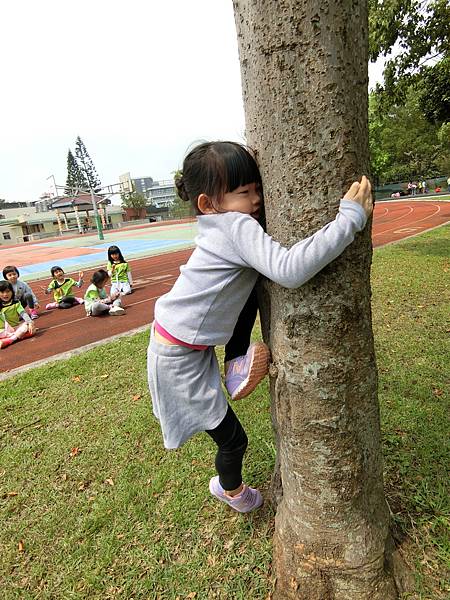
column 80, row 275
column 362, row 194
column 31, row 328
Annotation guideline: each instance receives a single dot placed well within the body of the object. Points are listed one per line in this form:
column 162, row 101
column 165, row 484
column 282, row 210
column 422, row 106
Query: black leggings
column 240, row 340
column 27, row 301
column 67, row 302
column 232, row 442
column 229, row 435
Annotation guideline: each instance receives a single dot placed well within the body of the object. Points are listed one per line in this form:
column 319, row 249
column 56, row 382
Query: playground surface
column 155, row 253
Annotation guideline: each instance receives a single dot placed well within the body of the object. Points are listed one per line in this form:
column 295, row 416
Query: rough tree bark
column 304, row 76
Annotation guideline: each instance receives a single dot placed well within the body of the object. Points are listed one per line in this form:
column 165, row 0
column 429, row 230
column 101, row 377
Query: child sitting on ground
column 96, row 300
column 119, row 271
column 11, row 311
column 22, row 291
column 62, row 286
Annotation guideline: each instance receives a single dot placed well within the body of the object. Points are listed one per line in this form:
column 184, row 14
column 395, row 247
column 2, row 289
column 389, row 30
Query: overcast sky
column 138, row 81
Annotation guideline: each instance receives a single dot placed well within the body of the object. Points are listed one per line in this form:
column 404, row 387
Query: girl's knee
column 238, row 442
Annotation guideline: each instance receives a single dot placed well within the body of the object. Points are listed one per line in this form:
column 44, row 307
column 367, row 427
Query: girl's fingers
column 362, row 192
column 353, row 191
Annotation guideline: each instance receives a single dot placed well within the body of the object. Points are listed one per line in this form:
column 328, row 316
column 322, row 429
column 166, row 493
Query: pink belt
column 174, row 340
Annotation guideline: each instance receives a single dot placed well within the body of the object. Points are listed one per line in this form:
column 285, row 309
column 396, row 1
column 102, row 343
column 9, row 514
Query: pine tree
column 86, row 165
column 76, row 179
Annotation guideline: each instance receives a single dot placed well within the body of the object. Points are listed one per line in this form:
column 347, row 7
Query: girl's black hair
column 4, row 286
column 215, row 168
column 54, row 269
column 10, row 269
column 99, row 277
column 115, row 250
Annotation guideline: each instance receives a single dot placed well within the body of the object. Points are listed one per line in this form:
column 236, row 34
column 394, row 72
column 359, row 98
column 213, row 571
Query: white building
column 159, row 193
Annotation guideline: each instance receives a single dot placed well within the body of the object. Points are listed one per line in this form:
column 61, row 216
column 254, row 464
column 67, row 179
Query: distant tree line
column 409, row 114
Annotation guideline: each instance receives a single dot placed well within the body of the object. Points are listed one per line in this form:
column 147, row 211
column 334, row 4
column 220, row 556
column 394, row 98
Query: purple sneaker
column 245, row 372
column 249, row 499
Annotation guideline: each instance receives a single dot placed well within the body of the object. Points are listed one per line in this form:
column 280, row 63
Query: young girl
column 22, row 291
column 11, row 311
column 223, row 182
column 96, row 300
column 62, row 287
column 119, row 271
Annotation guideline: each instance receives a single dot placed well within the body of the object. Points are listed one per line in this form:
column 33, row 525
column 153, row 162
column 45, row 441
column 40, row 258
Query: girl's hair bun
column 181, row 188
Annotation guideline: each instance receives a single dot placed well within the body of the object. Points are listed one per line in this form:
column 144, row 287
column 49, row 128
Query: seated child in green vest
column 62, row 286
column 119, row 271
column 96, row 300
column 11, row 313
column 22, row 291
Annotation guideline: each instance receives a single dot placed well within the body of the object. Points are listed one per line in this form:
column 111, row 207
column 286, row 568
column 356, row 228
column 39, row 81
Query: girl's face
column 12, row 277
column 245, row 199
column 59, row 275
column 6, row 295
column 115, row 256
column 102, row 284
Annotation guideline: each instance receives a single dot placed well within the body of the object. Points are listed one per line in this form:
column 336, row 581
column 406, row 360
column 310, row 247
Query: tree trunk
column 304, row 75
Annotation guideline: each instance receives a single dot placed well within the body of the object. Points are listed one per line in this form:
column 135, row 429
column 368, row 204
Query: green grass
column 411, row 298
column 92, row 507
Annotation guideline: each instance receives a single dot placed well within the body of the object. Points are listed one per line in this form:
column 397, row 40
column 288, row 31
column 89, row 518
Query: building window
column 6, row 235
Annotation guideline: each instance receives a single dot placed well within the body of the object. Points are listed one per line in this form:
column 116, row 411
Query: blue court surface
column 83, row 261
column 130, row 249
column 78, row 253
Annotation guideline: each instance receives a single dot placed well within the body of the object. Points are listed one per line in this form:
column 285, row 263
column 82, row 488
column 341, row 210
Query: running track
column 60, row 331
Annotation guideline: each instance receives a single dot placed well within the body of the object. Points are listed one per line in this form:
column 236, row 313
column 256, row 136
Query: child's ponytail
column 181, row 188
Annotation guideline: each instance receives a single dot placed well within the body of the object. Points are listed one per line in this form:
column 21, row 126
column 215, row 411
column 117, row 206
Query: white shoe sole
column 259, row 367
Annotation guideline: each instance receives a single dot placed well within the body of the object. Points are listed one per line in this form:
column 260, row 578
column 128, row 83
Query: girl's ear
column 205, row 205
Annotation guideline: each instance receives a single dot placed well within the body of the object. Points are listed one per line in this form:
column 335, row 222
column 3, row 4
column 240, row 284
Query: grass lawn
column 92, row 507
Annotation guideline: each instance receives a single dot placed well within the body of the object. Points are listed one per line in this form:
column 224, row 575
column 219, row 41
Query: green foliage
column 379, row 157
column 403, row 143
column 421, row 30
column 87, row 166
column 434, row 98
column 444, row 139
column 76, row 179
column 134, row 200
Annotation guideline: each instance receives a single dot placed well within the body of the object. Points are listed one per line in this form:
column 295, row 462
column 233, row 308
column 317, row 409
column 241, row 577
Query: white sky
column 138, row 81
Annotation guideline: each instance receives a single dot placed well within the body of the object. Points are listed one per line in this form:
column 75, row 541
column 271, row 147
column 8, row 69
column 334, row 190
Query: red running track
column 395, row 221
column 63, row 330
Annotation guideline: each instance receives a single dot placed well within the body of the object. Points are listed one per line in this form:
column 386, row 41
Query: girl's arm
column 23, row 314
column 28, row 290
column 129, row 276
column 294, row 267
column 79, row 283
